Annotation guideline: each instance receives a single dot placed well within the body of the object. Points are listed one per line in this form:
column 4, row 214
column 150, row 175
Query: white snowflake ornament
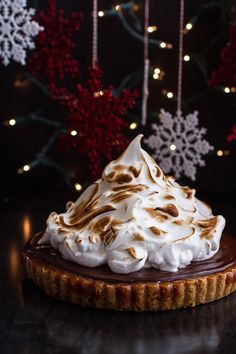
column 178, row 144
column 16, row 30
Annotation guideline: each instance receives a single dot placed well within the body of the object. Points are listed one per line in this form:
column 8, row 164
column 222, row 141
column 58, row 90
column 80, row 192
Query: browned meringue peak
column 129, row 165
column 135, row 217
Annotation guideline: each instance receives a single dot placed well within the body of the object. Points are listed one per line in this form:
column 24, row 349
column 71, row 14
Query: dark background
column 32, row 322
column 120, row 54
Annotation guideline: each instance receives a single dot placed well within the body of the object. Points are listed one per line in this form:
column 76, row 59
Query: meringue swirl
column 135, row 217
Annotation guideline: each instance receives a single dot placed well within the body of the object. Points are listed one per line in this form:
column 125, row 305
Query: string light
column 152, row 29
column 118, row 7
column 229, row 89
column 26, row 168
column 17, row 83
column 226, row 152
column 158, row 74
column 78, row 187
column 170, row 94
column 12, row 122
column 220, row 153
column 73, row 133
column 23, row 169
column 157, row 71
column 100, row 13
column 186, row 57
column 189, row 26
column 133, row 126
column 20, row 83
column 135, row 7
column 98, row 93
column 163, row 44
column 172, row 147
column 167, row 93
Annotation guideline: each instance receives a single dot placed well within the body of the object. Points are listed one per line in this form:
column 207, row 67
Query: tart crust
column 135, row 296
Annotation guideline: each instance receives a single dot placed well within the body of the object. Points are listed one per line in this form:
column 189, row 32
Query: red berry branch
column 95, row 114
column 52, row 57
column 225, row 74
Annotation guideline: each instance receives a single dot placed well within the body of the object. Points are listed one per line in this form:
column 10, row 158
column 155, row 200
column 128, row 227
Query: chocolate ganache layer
column 222, row 260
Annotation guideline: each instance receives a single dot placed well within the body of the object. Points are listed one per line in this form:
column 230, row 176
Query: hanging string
column 180, row 65
column 95, row 33
column 146, row 64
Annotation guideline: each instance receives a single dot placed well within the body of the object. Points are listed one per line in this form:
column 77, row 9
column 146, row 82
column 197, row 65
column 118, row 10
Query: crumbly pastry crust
column 139, row 296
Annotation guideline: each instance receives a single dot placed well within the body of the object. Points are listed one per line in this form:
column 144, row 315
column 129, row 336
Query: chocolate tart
column 145, row 290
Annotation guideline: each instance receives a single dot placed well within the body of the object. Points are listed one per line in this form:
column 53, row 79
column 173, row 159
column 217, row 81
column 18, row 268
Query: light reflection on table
column 26, row 227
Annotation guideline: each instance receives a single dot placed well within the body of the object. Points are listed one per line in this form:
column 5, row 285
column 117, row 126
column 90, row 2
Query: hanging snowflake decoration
column 178, row 144
column 16, row 30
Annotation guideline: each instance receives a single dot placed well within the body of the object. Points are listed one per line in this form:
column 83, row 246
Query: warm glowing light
column 152, row 29
column 186, row 57
column 169, row 94
column 163, row 44
column 223, row 153
column 233, row 89
column 98, row 93
column 226, row 152
column 158, row 74
column 135, row 7
column 14, row 261
column 12, row 122
column 78, row 187
column 26, row 228
column 227, row 90
column 118, row 7
column 21, row 83
column 133, row 126
column 17, row 83
column 73, row 132
column 100, row 13
column 189, row 26
column 26, row 168
column 173, row 147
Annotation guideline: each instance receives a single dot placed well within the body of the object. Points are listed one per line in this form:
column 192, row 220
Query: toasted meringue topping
column 135, row 217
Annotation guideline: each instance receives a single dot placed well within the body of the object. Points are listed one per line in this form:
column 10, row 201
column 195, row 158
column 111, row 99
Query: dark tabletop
column 32, row 322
